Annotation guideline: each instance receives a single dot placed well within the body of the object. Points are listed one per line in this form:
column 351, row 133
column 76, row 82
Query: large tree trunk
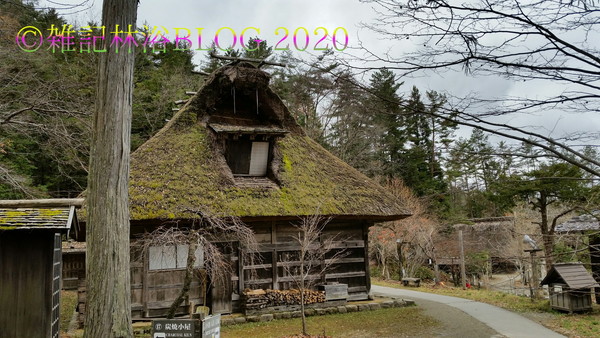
column 108, row 311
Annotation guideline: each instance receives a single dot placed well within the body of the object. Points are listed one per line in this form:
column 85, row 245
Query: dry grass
column 68, row 302
column 393, row 322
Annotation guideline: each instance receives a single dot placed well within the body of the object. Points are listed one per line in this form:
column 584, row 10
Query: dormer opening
column 247, row 156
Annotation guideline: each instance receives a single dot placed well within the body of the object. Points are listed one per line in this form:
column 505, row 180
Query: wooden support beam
column 274, row 268
column 39, row 203
column 199, row 72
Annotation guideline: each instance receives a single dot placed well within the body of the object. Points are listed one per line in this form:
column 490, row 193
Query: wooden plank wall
column 153, row 292
column 73, row 268
column 25, row 283
column 271, row 267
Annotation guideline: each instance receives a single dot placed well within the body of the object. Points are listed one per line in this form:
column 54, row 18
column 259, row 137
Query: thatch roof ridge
column 583, row 222
column 180, row 169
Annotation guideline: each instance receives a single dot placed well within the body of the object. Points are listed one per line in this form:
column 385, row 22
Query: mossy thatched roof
column 181, row 169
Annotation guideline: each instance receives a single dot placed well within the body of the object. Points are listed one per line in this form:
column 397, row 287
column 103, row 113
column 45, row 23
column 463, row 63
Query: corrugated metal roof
column 583, row 222
column 50, row 218
column 573, row 274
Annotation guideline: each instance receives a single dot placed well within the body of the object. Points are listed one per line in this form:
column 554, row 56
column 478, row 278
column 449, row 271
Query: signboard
column 174, row 328
column 211, row 327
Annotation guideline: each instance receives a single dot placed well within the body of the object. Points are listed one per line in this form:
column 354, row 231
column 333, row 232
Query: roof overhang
column 46, row 218
column 222, row 128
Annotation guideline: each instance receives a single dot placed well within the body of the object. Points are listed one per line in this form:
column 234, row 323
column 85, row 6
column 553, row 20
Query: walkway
column 466, row 318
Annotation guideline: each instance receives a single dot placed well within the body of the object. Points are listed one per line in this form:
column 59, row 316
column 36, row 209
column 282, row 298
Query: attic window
column 246, row 157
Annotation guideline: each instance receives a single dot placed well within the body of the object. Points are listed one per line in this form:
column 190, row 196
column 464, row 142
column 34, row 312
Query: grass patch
column 392, row 322
column 68, row 302
column 582, row 325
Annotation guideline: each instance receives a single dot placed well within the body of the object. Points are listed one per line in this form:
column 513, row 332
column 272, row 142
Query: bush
column 425, row 273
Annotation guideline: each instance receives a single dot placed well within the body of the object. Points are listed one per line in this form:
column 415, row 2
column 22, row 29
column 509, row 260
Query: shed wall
column 26, row 270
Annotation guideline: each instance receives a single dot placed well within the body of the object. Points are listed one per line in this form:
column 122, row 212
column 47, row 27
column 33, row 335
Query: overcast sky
column 268, row 15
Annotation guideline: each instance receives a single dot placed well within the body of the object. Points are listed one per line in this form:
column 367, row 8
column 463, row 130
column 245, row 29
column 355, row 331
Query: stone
column 227, row 321
column 253, row 319
column 351, row 308
column 399, row 303
column 309, row 312
column 286, row 315
column 278, row 315
column 374, row 306
column 342, row 309
column 239, row 320
column 364, row 307
column 296, row 314
column 331, row 310
column 387, row 304
column 409, row 302
column 266, row 317
column 320, row 311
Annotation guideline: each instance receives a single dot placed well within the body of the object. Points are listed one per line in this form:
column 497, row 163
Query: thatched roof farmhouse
column 235, row 150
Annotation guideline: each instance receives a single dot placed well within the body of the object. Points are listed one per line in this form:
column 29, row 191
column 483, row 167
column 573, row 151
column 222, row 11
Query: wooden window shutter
column 259, row 158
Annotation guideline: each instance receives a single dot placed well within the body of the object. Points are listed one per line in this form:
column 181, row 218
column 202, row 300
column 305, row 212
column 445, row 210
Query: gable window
column 246, row 157
column 172, row 257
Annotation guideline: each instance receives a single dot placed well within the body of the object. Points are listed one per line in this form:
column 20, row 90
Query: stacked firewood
column 259, row 299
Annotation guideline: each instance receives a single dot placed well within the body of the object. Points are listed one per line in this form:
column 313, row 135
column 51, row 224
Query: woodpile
column 260, row 299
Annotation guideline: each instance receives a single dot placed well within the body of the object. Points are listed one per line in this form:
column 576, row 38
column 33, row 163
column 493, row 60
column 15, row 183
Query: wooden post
column 274, row 271
column 463, row 274
column 535, row 279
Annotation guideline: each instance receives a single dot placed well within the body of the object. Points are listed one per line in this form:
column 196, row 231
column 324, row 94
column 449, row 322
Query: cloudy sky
column 269, row 15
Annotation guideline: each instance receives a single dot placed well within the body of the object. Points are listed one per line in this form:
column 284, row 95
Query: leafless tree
column 202, row 233
column 548, row 41
column 419, row 231
column 316, row 255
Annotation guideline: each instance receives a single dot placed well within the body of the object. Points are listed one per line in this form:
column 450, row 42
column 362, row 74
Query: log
column 49, row 202
column 258, row 299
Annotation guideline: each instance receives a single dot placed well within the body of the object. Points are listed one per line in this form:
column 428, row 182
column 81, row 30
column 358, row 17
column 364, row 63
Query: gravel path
column 466, row 318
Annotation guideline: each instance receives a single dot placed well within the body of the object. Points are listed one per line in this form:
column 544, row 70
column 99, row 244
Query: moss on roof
column 179, row 170
column 32, row 218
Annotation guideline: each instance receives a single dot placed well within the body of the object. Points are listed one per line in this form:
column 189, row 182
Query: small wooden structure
column 30, row 265
column 570, row 287
column 587, row 225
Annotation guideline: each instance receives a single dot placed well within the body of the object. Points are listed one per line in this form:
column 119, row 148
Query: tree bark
column 547, row 236
column 108, row 312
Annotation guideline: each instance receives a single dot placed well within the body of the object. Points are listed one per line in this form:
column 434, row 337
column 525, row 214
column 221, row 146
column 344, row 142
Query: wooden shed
column 30, row 265
column 234, row 149
column 587, row 225
column 570, row 287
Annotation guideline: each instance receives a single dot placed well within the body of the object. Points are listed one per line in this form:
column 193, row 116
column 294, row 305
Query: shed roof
column 573, row 274
column 181, row 169
column 583, row 222
column 39, row 218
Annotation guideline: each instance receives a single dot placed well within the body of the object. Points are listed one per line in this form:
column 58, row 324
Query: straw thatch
column 585, row 222
column 182, row 168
